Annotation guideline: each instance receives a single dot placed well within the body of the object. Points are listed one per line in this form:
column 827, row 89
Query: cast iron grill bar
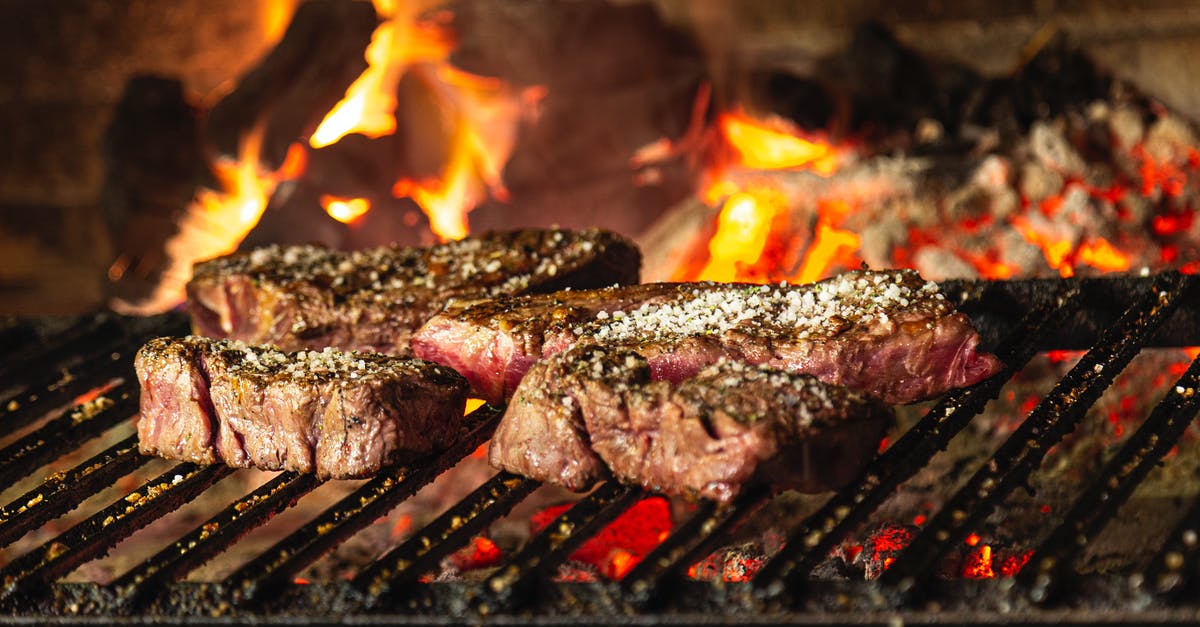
column 74, row 426
column 63, row 347
column 810, row 543
column 1055, row 416
column 106, row 528
column 513, row 583
column 1173, row 570
column 279, row 564
column 17, row 336
column 64, row 491
column 216, row 534
column 652, row 578
column 1051, row 563
column 26, row 406
column 403, row 565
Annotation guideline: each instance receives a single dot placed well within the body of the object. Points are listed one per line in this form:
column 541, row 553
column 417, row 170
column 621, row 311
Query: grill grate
column 1113, row 318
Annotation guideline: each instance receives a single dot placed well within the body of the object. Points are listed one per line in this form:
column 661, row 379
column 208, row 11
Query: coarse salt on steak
column 593, row 410
column 889, row 334
column 310, row 297
column 337, row 414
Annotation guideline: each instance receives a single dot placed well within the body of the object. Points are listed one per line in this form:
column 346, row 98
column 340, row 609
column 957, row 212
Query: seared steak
column 309, row 297
column 889, row 334
column 340, row 415
column 592, row 410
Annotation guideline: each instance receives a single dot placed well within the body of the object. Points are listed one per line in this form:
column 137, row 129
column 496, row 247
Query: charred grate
column 80, row 374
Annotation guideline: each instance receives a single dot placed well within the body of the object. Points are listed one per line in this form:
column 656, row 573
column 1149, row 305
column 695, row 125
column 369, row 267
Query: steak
column 889, row 334
column 594, row 410
column 309, row 297
column 339, row 415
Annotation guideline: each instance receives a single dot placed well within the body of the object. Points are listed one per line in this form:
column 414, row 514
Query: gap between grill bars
column 1113, row 318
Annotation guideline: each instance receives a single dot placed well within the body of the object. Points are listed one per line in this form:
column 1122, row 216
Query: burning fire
column 215, row 222
column 482, row 114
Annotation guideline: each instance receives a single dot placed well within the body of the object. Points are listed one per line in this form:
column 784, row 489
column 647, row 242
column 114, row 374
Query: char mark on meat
column 593, row 410
column 339, row 415
column 309, row 297
column 889, row 334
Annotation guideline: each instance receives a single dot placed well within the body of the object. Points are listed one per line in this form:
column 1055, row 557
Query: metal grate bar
column 109, row 526
column 1051, row 562
column 63, row 434
column 1022, row 453
column 810, row 543
column 47, row 356
column 403, row 565
column 652, row 578
column 1173, row 570
column 16, row 336
column 64, row 491
column 26, row 406
column 510, row 585
column 353, row 513
column 219, row 532
column 107, row 362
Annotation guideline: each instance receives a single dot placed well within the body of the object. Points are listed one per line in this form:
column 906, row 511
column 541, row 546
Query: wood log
column 154, row 164
column 298, row 82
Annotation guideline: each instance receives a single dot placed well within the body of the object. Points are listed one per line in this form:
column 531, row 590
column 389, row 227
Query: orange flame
column 482, row 113
column 345, row 210
column 747, row 222
column 742, row 230
column 370, row 101
column 775, row 145
column 829, row 242
column 485, row 113
column 216, row 222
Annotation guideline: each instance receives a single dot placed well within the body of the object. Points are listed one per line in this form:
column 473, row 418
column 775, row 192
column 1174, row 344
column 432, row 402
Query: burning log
column 294, row 86
column 154, row 164
column 613, row 79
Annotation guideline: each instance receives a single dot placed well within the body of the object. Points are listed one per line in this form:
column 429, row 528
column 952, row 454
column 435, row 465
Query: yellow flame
column 829, row 242
column 370, row 102
column 275, row 18
column 742, row 230
column 345, row 210
column 216, row 222
column 774, row 146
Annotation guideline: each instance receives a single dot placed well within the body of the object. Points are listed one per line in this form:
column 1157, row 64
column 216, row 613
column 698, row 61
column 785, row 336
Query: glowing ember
column 480, row 553
column 96, row 392
column 1014, row 563
column 624, row 542
column 979, row 564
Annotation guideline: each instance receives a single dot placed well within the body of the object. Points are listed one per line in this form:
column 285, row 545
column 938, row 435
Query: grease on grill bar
column 1114, row 319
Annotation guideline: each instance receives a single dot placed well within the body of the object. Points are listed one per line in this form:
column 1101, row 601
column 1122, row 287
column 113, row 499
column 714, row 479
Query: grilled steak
column 340, row 415
column 592, row 410
column 308, row 297
column 889, row 334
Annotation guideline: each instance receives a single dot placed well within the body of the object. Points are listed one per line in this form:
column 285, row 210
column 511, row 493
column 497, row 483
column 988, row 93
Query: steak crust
column 309, row 297
column 889, row 334
column 339, row 415
column 594, row 410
